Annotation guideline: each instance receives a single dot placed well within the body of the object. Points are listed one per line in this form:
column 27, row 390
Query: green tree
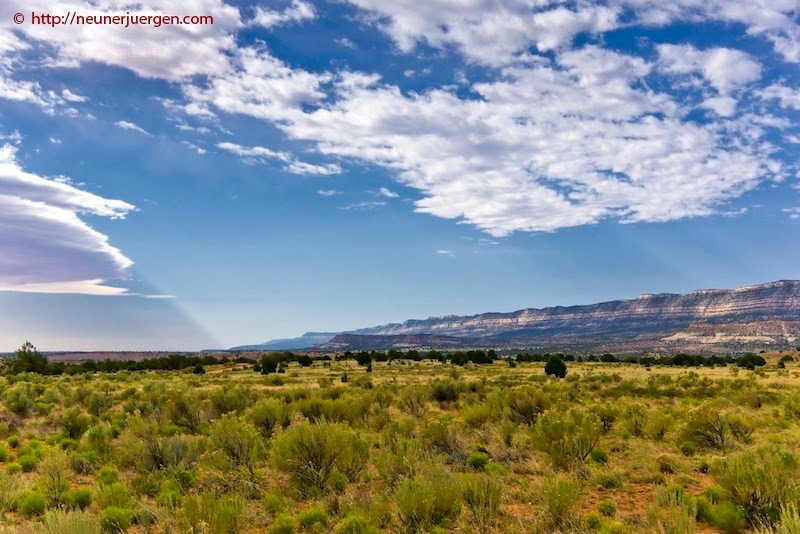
column 555, row 366
column 29, row 360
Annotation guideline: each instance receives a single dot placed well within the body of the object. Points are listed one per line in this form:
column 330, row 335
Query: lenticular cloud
column 54, row 251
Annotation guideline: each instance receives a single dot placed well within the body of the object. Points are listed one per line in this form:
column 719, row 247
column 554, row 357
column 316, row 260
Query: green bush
column 33, row 504
column 728, row 517
column 269, row 415
column 688, row 448
column 477, row 460
column 313, row 453
column 599, row 456
column 75, row 423
column 13, row 468
column 555, row 366
column 353, row 524
column 283, row 524
column 3, row 453
column 426, row 501
column 107, row 475
column 115, row 519
column 568, row 438
column 526, row 407
column 761, row 482
column 313, row 518
column 28, row 462
column 444, row 391
column 80, row 498
column 114, row 495
column 559, row 495
column 607, row 507
column 68, row 522
column 482, row 497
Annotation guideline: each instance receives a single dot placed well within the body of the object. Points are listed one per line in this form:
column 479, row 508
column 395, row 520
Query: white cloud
column 254, row 151
column 365, row 205
column 192, row 146
column 301, row 167
column 294, row 166
column 386, row 192
column 298, row 11
column 445, row 252
column 794, row 213
column 786, row 96
column 125, row 125
column 328, row 192
column 53, row 250
column 69, row 96
column 170, row 52
column 495, row 32
column 548, row 145
column 725, row 69
column 55, row 140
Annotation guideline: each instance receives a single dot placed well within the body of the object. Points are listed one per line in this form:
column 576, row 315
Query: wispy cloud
column 387, row 193
column 365, row 205
column 328, row 192
column 125, row 125
column 446, row 252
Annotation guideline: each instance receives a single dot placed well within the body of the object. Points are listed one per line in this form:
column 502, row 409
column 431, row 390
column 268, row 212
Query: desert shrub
column 226, row 400
column 688, row 448
column 666, row 464
column 599, row 456
column 507, row 431
column 20, row 399
column 609, row 480
column 672, row 513
column 27, row 462
column 477, row 415
column 658, row 425
column 443, row 437
column 555, row 366
column 107, row 475
column 477, row 460
column 169, row 495
column 33, row 504
column 728, row 517
column 482, row 497
column 313, row 453
column 63, row 522
column 526, row 407
column 711, row 428
column 635, row 420
column 3, row 453
column 13, row 468
column 401, row 458
column 559, row 495
column 236, row 445
column 607, row 507
column 11, row 492
column 568, row 438
column 99, row 402
column 75, row 423
column 414, row 402
column 211, row 514
column 353, row 524
column 761, row 482
column 282, row 524
column 425, row 501
column 113, row 495
column 788, row 523
column 313, row 518
column 154, row 452
column 187, row 410
column 54, row 477
column 444, row 391
column 115, row 519
column 269, row 415
column 80, row 498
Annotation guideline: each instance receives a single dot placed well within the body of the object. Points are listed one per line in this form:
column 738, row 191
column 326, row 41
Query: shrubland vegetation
column 401, row 442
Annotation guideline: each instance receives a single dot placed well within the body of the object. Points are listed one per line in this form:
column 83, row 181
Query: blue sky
column 320, row 166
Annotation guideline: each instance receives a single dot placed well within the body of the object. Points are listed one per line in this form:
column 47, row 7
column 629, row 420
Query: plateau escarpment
column 739, row 319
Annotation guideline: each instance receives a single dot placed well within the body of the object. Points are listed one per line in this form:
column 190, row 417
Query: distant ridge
column 705, row 319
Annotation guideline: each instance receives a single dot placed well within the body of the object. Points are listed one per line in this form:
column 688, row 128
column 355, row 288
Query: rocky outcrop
column 706, row 319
